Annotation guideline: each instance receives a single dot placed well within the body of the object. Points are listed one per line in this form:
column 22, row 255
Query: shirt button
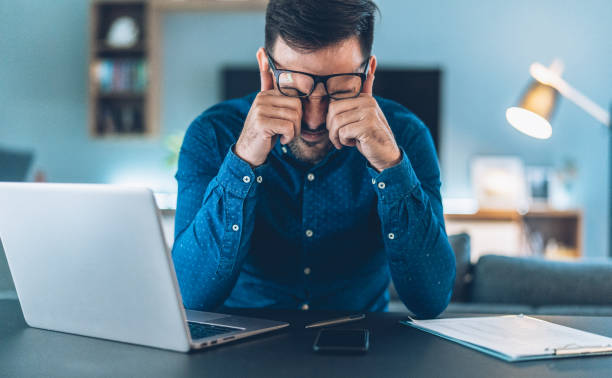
column 307, row 271
column 259, row 179
column 284, row 149
column 310, row 177
column 305, row 306
column 246, row 179
column 381, row 185
column 391, row 235
column 235, row 227
column 373, row 181
column 309, row 233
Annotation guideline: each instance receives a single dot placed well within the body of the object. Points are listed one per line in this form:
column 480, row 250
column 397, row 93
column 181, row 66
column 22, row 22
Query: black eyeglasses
column 302, row 84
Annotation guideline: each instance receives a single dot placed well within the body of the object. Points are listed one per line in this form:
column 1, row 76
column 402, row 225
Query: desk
column 395, row 350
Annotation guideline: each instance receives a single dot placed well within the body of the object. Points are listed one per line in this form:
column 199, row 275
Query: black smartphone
column 342, row 341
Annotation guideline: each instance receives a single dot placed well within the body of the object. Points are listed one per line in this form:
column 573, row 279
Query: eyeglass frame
column 319, row 79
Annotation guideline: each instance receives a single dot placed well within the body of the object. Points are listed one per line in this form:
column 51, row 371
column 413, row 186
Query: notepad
column 516, row 337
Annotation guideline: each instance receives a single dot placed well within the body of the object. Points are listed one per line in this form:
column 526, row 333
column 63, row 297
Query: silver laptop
column 92, row 260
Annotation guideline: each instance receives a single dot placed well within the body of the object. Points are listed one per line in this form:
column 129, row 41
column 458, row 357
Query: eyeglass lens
column 299, row 85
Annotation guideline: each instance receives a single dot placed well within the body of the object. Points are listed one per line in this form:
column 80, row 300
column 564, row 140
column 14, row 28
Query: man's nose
column 314, row 108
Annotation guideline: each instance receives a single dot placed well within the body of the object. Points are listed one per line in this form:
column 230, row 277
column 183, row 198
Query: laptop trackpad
column 200, row 316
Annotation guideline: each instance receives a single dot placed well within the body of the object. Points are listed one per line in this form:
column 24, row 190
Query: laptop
column 92, row 260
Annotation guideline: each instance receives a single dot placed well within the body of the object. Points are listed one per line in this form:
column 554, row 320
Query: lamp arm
column 548, row 77
column 583, row 101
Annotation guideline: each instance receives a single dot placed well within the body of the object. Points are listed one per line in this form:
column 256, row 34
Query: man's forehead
column 345, row 56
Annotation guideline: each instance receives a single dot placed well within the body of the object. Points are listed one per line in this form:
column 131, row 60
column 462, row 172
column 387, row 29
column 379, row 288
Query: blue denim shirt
column 288, row 234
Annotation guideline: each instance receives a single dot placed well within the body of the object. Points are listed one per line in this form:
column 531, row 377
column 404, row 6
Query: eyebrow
column 278, row 66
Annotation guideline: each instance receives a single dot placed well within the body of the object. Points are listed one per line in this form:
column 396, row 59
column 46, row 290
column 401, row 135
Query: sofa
column 527, row 285
column 498, row 285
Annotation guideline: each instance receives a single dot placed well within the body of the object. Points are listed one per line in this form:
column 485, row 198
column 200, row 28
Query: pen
column 344, row 319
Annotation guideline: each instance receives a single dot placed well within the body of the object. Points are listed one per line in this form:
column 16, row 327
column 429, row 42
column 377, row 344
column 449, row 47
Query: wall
column 484, row 47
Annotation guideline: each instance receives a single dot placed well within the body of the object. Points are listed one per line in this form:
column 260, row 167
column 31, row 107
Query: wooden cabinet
column 547, row 233
column 122, row 95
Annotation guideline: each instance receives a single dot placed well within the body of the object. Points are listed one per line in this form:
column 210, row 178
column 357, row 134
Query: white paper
column 516, row 336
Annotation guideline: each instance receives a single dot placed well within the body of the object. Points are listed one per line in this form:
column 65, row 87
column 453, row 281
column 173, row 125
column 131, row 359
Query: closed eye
column 292, row 89
column 336, row 93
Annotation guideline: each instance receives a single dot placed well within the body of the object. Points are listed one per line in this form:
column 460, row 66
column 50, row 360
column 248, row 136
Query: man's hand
column 360, row 122
column 271, row 115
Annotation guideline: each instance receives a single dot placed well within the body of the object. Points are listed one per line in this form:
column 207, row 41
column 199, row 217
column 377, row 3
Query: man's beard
column 310, row 152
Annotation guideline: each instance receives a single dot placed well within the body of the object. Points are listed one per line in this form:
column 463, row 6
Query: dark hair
column 308, row 25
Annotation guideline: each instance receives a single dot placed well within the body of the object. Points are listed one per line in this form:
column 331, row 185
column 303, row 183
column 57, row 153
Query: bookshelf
column 124, row 82
column 122, row 95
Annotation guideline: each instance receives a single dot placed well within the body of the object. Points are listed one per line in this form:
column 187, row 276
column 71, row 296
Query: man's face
column 345, row 57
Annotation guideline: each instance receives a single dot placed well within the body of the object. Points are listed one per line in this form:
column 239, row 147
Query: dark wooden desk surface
column 395, row 350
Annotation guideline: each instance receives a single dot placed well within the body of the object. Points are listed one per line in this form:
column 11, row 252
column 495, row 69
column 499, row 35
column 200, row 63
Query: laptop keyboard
column 201, row 330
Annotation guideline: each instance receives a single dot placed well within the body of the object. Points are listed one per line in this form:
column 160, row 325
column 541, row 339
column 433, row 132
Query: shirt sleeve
column 421, row 260
column 217, row 194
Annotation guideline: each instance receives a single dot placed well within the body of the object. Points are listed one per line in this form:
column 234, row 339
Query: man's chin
column 310, row 152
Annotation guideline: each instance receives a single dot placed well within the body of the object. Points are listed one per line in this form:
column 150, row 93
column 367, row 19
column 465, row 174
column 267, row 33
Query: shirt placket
column 310, row 231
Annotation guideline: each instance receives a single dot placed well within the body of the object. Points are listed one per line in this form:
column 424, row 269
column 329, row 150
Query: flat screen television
column 417, row 89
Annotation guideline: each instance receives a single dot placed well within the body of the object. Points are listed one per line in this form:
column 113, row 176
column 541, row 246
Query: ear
column 266, row 78
column 369, row 83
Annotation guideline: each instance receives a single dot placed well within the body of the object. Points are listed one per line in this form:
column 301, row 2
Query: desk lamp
column 532, row 116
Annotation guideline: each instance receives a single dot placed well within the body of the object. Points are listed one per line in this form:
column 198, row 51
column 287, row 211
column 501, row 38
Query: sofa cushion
column 538, row 282
column 461, row 246
column 468, row 308
column 575, row 310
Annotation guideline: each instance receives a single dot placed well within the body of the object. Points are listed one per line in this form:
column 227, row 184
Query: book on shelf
column 120, row 119
column 121, row 76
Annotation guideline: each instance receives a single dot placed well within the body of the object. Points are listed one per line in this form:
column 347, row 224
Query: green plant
column 173, row 144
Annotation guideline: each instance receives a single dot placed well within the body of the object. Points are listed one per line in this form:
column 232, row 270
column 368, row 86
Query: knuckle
column 339, row 119
column 289, row 129
column 259, row 98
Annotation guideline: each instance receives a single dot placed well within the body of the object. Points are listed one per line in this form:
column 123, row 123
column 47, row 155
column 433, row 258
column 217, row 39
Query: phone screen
column 342, row 340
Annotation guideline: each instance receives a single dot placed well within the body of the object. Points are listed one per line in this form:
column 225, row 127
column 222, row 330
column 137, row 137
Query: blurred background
column 102, row 92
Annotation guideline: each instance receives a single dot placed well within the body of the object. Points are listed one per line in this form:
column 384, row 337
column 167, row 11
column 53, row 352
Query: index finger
column 341, row 106
column 275, row 99
column 267, row 80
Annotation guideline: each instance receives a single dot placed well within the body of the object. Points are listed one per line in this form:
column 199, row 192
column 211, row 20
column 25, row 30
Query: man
column 312, row 193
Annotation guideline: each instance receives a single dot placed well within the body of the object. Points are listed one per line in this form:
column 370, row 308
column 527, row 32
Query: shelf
column 114, row 52
column 101, row 46
column 505, row 215
column 509, row 232
column 121, row 96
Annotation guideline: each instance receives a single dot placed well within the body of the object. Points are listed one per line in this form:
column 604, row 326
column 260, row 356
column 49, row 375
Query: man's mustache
column 321, row 127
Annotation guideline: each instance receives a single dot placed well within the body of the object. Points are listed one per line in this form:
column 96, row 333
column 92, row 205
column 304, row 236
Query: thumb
column 267, row 81
column 368, row 85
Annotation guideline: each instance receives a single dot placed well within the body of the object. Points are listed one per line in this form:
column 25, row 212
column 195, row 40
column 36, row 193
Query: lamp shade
column 529, row 123
column 536, row 107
